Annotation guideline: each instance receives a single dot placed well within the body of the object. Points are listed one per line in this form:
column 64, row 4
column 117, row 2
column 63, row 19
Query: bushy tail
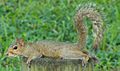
column 88, row 10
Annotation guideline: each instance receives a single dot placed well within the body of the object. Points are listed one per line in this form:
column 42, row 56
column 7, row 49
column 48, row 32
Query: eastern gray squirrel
column 59, row 50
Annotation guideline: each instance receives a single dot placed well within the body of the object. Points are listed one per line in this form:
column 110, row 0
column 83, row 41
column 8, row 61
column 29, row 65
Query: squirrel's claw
column 83, row 65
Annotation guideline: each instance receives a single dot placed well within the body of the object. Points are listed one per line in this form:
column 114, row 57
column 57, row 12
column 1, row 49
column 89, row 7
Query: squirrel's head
column 16, row 48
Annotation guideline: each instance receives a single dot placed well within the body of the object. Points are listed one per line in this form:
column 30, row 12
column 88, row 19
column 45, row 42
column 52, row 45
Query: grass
column 53, row 19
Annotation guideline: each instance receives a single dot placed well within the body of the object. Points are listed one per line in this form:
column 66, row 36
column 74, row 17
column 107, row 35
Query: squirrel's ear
column 20, row 41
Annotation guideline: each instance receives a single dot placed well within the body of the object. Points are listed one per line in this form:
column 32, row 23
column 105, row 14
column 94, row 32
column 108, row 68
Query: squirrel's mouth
column 10, row 54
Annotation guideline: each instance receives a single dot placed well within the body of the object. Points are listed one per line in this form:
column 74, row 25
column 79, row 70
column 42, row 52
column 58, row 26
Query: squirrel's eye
column 15, row 47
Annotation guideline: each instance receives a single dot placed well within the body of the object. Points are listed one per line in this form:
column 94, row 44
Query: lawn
column 35, row 20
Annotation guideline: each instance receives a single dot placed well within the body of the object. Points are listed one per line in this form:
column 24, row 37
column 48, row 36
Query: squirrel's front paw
column 28, row 63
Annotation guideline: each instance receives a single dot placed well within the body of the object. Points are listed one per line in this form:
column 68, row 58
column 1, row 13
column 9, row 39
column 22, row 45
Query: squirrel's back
column 88, row 10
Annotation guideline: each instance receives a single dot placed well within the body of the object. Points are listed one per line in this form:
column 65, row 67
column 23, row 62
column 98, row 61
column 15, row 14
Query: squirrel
column 50, row 49
column 62, row 50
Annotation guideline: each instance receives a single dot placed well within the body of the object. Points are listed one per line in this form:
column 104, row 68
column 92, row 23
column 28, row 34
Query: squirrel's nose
column 6, row 54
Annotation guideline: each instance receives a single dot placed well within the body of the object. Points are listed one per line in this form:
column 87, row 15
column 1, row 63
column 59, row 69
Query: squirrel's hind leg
column 77, row 55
